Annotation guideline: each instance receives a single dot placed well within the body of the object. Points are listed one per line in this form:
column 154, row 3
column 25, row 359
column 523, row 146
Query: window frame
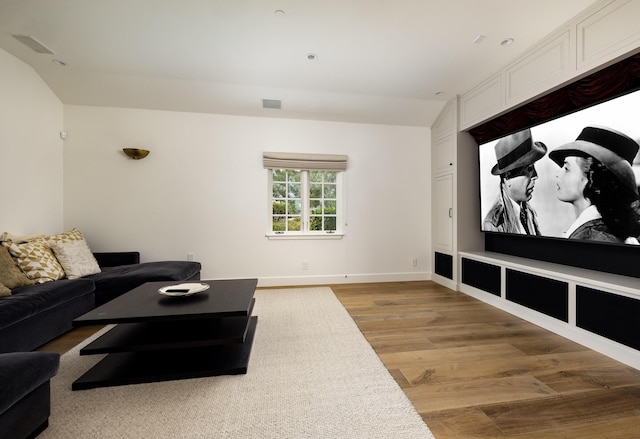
column 305, row 232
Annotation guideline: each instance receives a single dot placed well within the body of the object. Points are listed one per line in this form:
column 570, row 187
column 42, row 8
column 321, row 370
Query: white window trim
column 341, row 222
column 284, row 236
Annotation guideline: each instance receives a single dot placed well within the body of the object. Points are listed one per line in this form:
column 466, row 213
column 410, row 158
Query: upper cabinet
column 445, row 123
column 443, row 154
column 609, row 33
column 442, row 138
column 486, row 99
column 539, row 70
column 603, row 34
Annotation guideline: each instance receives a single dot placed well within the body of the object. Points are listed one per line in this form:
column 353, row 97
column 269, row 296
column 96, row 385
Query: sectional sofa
column 33, row 313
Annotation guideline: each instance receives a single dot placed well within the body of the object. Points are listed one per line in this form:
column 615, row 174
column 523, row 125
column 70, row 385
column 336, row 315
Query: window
column 305, row 202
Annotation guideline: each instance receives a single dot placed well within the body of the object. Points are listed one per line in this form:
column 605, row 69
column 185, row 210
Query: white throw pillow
column 76, row 258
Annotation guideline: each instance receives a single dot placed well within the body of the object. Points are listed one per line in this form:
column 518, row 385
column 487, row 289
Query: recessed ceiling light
column 439, row 93
column 59, row 62
column 479, row 39
column 279, row 13
column 506, row 42
column 312, row 56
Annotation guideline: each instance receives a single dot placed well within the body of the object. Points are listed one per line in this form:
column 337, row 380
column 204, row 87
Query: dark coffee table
column 161, row 338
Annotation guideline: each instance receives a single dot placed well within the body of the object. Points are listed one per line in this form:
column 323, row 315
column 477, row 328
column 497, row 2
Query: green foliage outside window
column 320, row 201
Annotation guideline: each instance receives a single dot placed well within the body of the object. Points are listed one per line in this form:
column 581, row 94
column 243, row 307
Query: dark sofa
column 122, row 272
column 35, row 314
column 25, row 400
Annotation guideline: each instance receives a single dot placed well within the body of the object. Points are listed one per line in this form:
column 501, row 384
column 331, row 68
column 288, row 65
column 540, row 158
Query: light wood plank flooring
column 474, row 371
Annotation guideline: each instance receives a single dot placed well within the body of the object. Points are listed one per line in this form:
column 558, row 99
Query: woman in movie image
column 597, row 178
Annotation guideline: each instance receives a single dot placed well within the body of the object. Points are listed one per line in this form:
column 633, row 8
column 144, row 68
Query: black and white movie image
column 574, row 177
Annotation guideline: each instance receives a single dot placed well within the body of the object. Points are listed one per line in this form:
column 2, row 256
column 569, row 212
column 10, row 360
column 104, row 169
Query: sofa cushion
column 114, row 281
column 76, row 258
column 22, row 372
column 73, row 253
column 70, row 236
column 10, row 275
column 36, row 260
column 27, row 301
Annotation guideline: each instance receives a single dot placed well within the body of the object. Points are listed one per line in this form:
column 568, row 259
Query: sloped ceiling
column 377, row 61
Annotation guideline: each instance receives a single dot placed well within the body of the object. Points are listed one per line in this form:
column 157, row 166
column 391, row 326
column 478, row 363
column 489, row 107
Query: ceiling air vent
column 272, row 103
column 34, row 44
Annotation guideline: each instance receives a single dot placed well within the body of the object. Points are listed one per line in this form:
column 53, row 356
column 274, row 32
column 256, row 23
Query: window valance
column 293, row 160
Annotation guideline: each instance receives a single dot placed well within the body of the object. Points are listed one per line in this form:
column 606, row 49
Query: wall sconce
column 136, row 153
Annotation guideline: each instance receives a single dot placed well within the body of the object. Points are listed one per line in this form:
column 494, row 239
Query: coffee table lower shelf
column 123, row 368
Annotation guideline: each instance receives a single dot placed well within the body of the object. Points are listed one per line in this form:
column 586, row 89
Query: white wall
column 203, row 190
column 30, row 151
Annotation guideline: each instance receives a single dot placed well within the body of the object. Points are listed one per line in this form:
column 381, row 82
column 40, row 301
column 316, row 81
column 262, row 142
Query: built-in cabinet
column 600, row 36
column 443, row 157
column 539, row 70
column 443, row 213
column 609, row 32
column 598, row 310
column 443, row 194
column 604, row 33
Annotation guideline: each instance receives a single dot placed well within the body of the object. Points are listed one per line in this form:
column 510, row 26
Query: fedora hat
column 612, row 148
column 517, row 150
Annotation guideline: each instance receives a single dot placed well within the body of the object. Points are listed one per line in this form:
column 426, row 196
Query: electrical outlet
column 305, row 265
column 190, row 256
column 414, row 262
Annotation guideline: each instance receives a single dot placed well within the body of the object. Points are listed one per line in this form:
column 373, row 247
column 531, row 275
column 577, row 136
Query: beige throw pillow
column 4, row 291
column 10, row 275
column 36, row 260
column 76, row 258
column 72, row 235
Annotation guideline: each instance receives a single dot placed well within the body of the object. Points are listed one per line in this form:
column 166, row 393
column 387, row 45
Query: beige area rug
column 311, row 374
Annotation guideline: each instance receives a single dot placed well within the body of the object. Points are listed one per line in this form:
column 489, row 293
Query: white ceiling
column 378, row 61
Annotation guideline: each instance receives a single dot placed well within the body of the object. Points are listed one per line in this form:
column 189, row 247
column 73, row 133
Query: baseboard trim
column 445, row 281
column 287, row 281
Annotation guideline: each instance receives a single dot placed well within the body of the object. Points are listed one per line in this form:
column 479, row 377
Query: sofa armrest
column 22, row 372
column 112, row 259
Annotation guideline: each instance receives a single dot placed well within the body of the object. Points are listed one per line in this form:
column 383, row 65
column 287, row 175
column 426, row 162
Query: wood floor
column 474, row 371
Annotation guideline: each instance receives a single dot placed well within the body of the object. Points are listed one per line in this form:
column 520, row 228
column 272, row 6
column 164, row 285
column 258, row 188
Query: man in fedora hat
column 597, row 178
column 511, row 213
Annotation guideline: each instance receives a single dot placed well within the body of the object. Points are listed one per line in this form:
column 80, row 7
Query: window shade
column 292, row 160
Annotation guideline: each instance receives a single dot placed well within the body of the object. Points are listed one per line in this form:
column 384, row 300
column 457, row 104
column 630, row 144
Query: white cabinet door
column 445, row 123
column 483, row 102
column 541, row 70
column 611, row 32
column 443, row 212
column 443, row 157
